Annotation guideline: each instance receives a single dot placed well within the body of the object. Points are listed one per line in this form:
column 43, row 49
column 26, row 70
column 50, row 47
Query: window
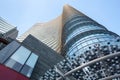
column 18, row 58
column 81, row 30
column 21, row 55
column 23, row 61
column 29, row 65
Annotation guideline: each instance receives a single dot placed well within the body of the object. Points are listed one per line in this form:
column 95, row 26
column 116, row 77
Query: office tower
column 7, row 33
column 91, row 51
column 70, row 47
column 89, row 43
column 49, row 33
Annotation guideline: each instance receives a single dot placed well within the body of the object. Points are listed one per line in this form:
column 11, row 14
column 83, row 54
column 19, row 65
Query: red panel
column 9, row 74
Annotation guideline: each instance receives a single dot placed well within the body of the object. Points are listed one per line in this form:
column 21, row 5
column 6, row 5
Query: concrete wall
column 47, row 57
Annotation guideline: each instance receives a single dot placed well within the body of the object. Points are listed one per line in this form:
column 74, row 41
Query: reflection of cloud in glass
column 21, row 55
column 32, row 60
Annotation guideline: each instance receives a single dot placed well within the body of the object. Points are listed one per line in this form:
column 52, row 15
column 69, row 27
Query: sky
column 25, row 13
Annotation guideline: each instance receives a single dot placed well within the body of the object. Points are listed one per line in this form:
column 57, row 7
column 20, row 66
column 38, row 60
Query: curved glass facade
column 81, row 31
column 91, row 51
column 85, row 40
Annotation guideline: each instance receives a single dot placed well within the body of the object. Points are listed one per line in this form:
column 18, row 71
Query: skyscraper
column 7, row 33
column 70, row 47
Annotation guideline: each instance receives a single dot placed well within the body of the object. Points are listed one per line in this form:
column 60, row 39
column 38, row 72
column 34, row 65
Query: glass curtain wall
column 22, row 60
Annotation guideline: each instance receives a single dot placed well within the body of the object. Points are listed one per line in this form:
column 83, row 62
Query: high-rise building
column 7, row 33
column 70, row 47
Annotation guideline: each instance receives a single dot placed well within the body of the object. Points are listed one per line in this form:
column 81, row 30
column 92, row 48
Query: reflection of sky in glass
column 32, row 60
column 21, row 55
